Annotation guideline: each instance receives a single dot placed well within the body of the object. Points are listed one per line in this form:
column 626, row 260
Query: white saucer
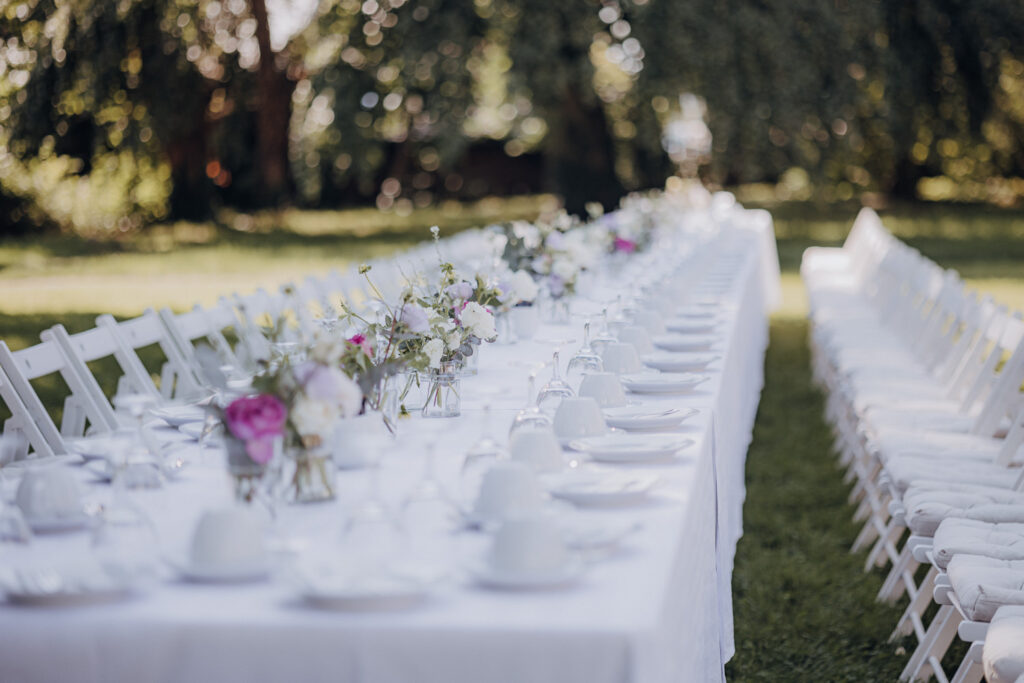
column 691, row 326
column 692, row 313
column 596, row 488
column 179, row 415
column 668, row 361
column 631, row 447
column 91, row 448
column 236, row 574
column 491, row 577
column 385, row 592
column 656, row 383
column 685, row 342
column 56, row 525
column 644, row 418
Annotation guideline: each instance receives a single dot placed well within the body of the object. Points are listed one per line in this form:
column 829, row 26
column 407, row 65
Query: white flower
column 564, row 268
column 453, row 340
column 478, row 321
column 311, row 417
column 523, row 287
column 434, row 348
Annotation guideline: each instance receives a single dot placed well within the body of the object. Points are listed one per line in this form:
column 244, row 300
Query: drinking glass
column 585, row 360
column 552, row 393
column 530, row 415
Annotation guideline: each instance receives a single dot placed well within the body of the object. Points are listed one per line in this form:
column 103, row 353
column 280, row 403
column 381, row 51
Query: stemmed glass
column 604, row 335
column 530, row 415
column 586, row 360
column 479, row 457
column 429, row 519
column 552, row 393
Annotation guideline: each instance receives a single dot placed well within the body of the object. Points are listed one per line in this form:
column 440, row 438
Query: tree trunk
column 273, row 114
column 579, row 155
column 190, row 188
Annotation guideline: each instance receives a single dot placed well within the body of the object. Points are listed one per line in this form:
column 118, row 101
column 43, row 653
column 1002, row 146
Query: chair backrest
column 206, row 325
column 1004, row 394
column 23, row 430
column 80, row 415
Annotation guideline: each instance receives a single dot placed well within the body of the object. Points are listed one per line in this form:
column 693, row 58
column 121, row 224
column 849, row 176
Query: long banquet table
column 657, row 610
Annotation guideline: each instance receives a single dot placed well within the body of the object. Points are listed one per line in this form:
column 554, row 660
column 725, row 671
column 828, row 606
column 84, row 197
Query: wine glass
column 530, row 415
column 586, row 360
column 429, row 519
column 484, row 452
column 552, row 393
column 604, row 335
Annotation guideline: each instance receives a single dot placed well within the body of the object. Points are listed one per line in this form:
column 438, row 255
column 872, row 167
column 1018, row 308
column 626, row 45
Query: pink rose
column 628, row 246
column 362, row 342
column 256, row 420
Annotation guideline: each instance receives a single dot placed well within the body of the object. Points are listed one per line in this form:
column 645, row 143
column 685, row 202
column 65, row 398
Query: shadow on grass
column 804, row 609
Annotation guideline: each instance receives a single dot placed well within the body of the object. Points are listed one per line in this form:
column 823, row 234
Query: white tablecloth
column 658, row 610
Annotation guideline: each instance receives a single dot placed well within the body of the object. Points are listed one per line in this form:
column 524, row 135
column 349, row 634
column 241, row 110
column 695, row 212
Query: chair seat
column 905, row 470
column 1001, row 541
column 983, row 585
column 1003, row 656
column 941, row 421
column 926, row 507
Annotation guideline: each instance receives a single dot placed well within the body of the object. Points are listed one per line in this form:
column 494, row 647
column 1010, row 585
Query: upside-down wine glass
column 530, row 415
column 552, row 393
column 586, row 360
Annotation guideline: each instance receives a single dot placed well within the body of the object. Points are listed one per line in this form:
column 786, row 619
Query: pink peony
column 256, row 420
column 362, row 342
column 622, row 244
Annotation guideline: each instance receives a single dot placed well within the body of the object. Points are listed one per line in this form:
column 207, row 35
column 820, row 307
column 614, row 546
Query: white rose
column 478, row 321
column 314, row 418
column 523, row 287
column 434, row 348
column 453, row 340
column 564, row 268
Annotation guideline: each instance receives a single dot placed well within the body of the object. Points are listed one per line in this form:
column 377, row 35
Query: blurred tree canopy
column 115, row 114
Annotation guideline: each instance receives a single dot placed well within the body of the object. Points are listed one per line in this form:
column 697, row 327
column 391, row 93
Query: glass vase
column 503, row 324
column 246, row 474
column 443, row 394
column 312, row 475
column 471, row 364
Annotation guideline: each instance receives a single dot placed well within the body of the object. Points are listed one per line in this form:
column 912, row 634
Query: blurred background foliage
column 118, row 114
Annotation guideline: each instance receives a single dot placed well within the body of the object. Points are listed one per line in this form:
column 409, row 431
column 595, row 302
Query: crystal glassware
column 530, row 415
column 552, row 393
column 585, row 360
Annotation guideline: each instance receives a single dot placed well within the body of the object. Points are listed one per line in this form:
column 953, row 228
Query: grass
column 804, row 609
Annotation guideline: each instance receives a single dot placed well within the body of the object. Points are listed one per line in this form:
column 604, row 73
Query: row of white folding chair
column 1007, row 382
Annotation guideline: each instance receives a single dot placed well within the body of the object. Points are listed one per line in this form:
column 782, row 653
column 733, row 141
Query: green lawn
column 804, row 609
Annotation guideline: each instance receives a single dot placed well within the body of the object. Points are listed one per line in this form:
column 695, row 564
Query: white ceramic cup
column 603, row 387
column 650, row 320
column 229, row 538
column 578, row 417
column 638, row 336
column 620, row 358
column 508, row 489
column 525, row 322
column 46, row 492
column 538, row 447
column 529, row 545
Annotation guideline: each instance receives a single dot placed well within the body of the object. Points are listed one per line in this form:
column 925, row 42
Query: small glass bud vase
column 471, row 364
column 443, row 395
column 560, row 313
column 503, row 324
column 246, row 473
column 312, row 472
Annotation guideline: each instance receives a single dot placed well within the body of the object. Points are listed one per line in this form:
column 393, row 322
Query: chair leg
column 924, row 662
column 970, row 670
column 911, row 622
column 900, row 578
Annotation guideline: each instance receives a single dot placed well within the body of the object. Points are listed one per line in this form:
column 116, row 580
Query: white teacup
column 525, row 322
column 538, row 447
column 529, row 545
column 46, row 492
column 638, row 336
column 229, row 539
column 578, row 417
column 650, row 320
column 508, row 489
column 620, row 358
column 603, row 387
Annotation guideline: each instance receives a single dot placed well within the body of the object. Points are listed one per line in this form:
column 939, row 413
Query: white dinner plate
column 631, row 447
column 490, row 576
column 179, row 415
column 685, row 342
column 657, row 383
column 667, row 361
column 62, row 587
column 641, row 418
column 696, row 313
column 384, row 592
column 602, row 488
column 56, row 525
column 92, row 447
